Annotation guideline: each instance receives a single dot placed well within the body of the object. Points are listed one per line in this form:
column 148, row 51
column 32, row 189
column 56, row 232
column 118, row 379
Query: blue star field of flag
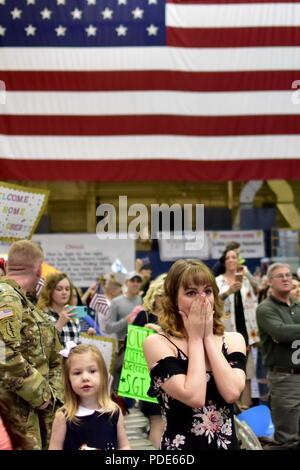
column 82, row 23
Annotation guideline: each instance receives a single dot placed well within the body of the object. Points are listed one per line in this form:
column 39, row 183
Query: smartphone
column 80, row 311
column 146, row 260
column 238, row 277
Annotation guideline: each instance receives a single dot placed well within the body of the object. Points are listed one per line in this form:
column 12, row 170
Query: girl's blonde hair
column 52, row 280
column 71, row 400
column 185, row 272
column 156, row 288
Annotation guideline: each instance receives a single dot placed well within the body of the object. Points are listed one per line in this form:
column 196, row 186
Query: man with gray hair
column 30, row 368
column 278, row 319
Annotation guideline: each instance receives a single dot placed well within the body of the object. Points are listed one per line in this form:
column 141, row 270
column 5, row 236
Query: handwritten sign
column 21, row 209
column 107, row 347
column 135, row 379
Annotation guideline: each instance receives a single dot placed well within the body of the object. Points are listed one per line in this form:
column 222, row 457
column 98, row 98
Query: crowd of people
column 224, row 340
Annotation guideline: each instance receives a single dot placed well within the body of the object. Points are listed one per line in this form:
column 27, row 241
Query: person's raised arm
column 226, row 291
column 89, row 293
column 230, row 381
column 189, row 388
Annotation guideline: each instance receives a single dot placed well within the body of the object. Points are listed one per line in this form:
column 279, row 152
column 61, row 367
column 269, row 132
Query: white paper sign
column 21, row 209
column 170, row 249
column 107, row 347
column 251, row 241
column 84, row 257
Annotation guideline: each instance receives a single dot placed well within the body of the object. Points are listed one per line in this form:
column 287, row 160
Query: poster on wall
column 251, row 241
column 84, row 257
column 171, row 249
column 21, row 209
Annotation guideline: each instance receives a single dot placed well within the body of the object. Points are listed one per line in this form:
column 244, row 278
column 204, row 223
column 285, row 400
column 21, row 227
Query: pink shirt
column 5, row 442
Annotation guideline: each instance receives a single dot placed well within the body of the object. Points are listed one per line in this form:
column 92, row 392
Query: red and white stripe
column 99, row 304
column 216, row 104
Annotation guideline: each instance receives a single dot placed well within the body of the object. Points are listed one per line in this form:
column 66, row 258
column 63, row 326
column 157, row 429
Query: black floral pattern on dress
column 186, row 428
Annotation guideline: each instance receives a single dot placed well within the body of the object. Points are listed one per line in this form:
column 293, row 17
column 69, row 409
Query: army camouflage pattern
column 31, row 370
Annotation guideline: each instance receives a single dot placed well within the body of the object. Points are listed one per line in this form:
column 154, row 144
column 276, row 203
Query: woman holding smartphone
column 55, row 298
column 240, row 303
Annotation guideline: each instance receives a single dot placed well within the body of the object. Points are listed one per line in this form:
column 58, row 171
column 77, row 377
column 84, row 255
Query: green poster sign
column 135, row 379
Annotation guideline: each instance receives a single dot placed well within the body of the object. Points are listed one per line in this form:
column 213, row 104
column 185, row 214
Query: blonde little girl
column 89, row 417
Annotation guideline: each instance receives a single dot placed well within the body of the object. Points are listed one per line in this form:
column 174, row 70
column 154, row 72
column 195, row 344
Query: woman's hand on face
column 194, row 321
column 209, row 319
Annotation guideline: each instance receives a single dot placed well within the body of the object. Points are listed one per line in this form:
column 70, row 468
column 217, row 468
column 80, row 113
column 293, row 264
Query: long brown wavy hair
column 185, row 272
column 45, row 299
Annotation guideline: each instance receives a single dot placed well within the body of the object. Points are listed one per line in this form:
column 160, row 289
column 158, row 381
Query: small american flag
column 99, row 303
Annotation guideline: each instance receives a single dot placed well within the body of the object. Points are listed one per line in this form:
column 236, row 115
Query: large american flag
column 122, row 90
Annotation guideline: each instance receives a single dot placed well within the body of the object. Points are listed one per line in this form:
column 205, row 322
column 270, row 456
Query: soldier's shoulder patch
column 5, row 313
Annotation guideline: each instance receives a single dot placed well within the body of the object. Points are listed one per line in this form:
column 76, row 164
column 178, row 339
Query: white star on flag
column 122, row 2
column 91, row 30
column 91, row 2
column 60, row 30
column 152, row 30
column 152, row 2
column 16, row 13
column 2, row 31
column 77, row 14
column 2, row 2
column 121, row 30
column 46, row 14
column 137, row 13
column 107, row 14
column 30, row 30
column 61, row 2
column 30, row 2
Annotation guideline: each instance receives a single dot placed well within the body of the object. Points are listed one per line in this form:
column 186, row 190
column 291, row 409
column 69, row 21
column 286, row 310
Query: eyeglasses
column 282, row 276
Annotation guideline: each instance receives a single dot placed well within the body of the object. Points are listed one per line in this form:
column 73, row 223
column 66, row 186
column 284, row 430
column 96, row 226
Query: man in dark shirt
column 278, row 319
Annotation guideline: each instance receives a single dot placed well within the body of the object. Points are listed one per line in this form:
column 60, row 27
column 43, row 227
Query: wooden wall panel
column 70, row 204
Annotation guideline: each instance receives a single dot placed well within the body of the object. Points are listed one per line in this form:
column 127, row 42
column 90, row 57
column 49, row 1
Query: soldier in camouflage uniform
column 30, row 371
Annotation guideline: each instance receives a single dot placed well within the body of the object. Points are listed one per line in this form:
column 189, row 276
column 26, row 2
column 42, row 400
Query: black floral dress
column 186, row 428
